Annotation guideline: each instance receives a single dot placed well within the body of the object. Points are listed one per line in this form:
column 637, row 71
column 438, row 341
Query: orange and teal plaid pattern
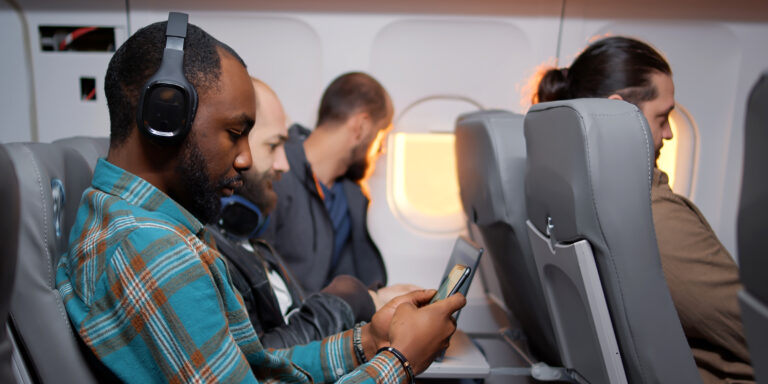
column 147, row 291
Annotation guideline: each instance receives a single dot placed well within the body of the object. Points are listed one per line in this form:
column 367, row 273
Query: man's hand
column 420, row 333
column 385, row 294
column 376, row 334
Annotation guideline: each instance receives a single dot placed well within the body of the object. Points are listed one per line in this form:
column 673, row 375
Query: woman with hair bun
column 701, row 275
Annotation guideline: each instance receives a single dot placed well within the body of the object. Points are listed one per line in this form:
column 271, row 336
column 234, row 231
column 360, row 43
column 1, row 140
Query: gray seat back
column 490, row 156
column 51, row 179
column 91, row 148
column 9, row 238
column 588, row 185
column 752, row 226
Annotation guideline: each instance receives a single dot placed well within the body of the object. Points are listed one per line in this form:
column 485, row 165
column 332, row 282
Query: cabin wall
column 486, row 58
column 15, row 81
column 59, row 110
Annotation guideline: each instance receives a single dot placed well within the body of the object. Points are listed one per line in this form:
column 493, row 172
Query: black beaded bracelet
column 357, row 342
column 403, row 361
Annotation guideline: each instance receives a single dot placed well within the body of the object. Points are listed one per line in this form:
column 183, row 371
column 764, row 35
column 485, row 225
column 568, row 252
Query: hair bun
column 553, row 86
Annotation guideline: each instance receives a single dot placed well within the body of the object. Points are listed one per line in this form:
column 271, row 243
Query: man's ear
column 615, row 96
column 357, row 123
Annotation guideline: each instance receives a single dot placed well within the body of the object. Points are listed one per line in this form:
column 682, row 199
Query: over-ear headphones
column 168, row 101
column 241, row 219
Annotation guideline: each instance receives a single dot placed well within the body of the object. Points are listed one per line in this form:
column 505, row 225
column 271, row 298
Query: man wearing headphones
column 142, row 282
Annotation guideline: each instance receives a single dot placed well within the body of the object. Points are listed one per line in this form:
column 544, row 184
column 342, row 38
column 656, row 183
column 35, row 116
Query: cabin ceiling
column 732, row 10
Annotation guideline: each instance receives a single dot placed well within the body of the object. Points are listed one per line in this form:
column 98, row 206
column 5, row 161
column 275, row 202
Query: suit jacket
column 301, row 230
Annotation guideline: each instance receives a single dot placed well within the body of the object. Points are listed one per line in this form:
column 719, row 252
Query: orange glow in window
column 424, row 174
column 679, row 155
column 667, row 160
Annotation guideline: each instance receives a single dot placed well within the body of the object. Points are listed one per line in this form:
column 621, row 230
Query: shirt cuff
column 385, row 368
column 339, row 354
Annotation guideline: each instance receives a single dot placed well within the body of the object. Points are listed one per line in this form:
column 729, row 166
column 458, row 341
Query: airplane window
column 424, row 185
column 422, row 181
column 678, row 156
column 429, row 184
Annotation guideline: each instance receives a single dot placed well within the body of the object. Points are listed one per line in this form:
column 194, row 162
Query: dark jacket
column 311, row 318
column 301, row 230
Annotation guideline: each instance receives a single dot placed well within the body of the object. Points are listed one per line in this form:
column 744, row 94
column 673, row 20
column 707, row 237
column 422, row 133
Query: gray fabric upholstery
column 52, row 179
column 590, row 163
column 9, row 238
column 91, row 148
column 752, row 226
column 490, row 156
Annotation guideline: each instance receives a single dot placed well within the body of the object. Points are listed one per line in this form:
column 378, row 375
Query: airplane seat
column 91, row 148
column 9, row 238
column 490, row 157
column 588, row 186
column 752, row 226
column 51, row 178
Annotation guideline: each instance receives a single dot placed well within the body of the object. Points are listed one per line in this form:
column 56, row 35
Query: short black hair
column 618, row 64
column 139, row 58
column 350, row 93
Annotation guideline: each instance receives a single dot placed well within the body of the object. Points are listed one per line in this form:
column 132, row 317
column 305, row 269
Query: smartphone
column 452, row 282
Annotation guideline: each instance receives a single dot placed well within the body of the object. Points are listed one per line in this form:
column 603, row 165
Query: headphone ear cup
column 165, row 111
column 168, row 102
column 241, row 218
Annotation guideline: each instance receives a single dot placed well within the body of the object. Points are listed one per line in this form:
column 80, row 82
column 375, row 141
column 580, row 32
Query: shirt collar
column 114, row 180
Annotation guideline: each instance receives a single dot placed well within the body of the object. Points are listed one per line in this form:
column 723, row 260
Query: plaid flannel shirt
column 149, row 294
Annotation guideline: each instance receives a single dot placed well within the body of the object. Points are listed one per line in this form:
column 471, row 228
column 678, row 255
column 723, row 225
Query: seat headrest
column 581, row 154
column 91, row 148
column 753, row 206
column 52, row 179
column 9, row 226
column 490, row 156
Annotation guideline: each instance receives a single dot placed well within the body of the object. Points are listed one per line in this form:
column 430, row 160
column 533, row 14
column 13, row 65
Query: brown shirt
column 703, row 280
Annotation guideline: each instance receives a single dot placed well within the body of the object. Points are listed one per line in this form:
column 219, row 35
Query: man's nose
column 243, row 160
column 281, row 164
column 667, row 134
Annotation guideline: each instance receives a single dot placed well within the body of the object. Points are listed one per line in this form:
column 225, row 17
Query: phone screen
column 451, row 284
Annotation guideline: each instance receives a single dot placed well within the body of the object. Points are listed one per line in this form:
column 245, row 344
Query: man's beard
column 259, row 189
column 357, row 170
column 204, row 199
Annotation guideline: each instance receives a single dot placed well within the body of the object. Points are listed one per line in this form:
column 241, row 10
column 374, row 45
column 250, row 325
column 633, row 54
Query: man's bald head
column 266, row 140
column 269, row 109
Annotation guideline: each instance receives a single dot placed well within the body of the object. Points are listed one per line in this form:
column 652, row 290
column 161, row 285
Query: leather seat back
column 588, row 182
column 52, row 178
column 491, row 161
column 752, row 226
column 9, row 238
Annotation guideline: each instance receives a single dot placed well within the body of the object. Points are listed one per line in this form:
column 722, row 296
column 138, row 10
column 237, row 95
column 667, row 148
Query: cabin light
column 424, row 177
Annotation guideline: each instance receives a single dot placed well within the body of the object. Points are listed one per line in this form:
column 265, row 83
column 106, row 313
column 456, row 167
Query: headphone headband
column 168, row 102
column 177, row 24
